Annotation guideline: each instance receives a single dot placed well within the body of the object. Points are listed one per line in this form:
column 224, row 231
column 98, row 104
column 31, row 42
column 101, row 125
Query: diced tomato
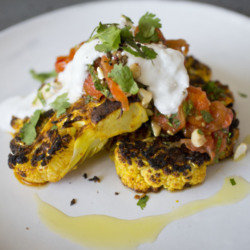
column 198, row 98
column 90, row 89
column 161, row 37
column 208, row 147
column 115, row 89
column 62, row 61
column 173, row 127
column 222, row 116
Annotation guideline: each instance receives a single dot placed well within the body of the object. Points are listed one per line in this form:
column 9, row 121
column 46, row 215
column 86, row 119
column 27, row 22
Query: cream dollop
column 69, row 81
column 165, row 76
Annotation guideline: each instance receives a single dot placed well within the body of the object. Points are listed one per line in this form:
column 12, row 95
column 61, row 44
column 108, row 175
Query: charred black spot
column 66, row 139
column 16, row 159
column 21, row 173
column 56, row 145
column 103, row 110
column 13, row 121
column 95, row 179
column 107, row 107
column 48, row 114
column 73, row 202
column 68, row 123
column 160, row 156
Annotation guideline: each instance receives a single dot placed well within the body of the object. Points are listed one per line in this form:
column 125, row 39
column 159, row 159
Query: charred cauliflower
column 64, row 142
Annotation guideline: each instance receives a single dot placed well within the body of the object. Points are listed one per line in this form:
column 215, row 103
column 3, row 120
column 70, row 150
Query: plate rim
column 241, row 17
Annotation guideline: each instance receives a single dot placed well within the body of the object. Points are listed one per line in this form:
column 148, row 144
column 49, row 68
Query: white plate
column 218, row 37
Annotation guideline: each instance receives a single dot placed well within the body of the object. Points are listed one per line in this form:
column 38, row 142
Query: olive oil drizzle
column 105, row 232
column 247, row 139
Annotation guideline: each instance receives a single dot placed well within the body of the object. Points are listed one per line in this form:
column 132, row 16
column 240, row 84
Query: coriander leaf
column 232, row 181
column 142, row 202
column 41, row 97
column 200, row 132
column 110, row 37
column 217, row 148
column 188, row 107
column 213, row 90
column 42, row 77
column 207, row 117
column 242, row 95
column 97, row 82
column 28, row 131
column 60, row 104
column 132, row 52
column 142, row 51
column 229, row 138
column 123, row 76
column 88, row 99
column 173, row 121
column 127, row 19
column 147, row 28
column 149, row 53
column 126, row 35
column 103, row 89
column 133, row 48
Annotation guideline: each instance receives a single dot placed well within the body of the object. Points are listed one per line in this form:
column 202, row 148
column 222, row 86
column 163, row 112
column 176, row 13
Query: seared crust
column 57, row 150
column 107, row 107
column 154, row 163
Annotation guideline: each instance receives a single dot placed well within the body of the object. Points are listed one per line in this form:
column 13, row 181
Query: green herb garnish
column 41, row 97
column 207, row 117
column 113, row 38
column 232, row 181
column 148, row 24
column 213, row 90
column 123, row 76
column 127, row 19
column 97, row 82
column 173, row 121
column 229, row 137
column 217, row 148
column 42, row 77
column 88, row 99
column 60, row 104
column 242, row 95
column 188, row 107
column 136, row 49
column 141, row 51
column 142, row 202
column 109, row 35
column 28, row 131
column 200, row 132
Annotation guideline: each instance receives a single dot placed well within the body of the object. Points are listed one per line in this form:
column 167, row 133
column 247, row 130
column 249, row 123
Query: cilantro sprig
column 134, row 48
column 28, row 131
column 232, row 181
column 242, row 94
column 97, row 82
column 109, row 35
column 60, row 104
column 42, row 77
column 123, row 76
column 188, row 107
column 213, row 90
column 173, row 121
column 113, row 37
column 143, row 202
column 148, row 24
column 207, row 117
